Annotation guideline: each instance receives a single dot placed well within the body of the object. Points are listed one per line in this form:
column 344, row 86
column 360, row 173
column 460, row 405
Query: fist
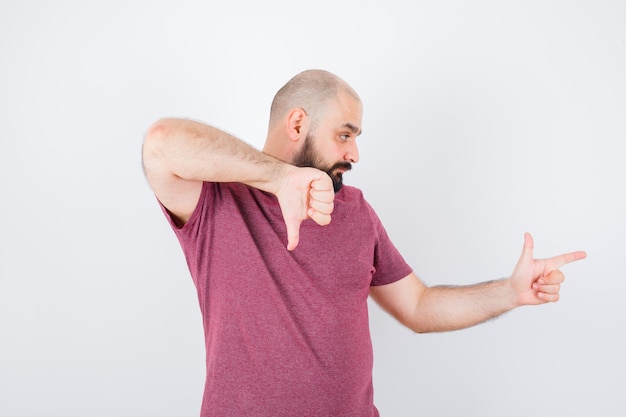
column 306, row 193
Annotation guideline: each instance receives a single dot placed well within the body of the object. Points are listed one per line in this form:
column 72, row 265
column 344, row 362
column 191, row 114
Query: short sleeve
column 195, row 218
column 389, row 263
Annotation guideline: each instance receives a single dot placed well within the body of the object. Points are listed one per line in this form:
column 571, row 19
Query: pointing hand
column 538, row 281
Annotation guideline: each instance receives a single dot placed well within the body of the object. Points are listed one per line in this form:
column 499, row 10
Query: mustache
column 341, row 165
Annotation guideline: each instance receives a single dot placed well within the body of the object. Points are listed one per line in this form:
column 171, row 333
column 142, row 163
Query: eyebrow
column 353, row 128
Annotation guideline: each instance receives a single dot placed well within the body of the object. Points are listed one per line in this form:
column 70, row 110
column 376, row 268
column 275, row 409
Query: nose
column 352, row 154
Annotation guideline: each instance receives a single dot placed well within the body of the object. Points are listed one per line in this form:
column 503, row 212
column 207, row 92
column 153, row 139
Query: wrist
column 274, row 174
column 512, row 295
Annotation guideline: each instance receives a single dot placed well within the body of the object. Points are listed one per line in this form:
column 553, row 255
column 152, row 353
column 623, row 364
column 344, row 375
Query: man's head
column 314, row 121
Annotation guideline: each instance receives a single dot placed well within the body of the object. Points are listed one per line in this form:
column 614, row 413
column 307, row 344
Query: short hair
column 311, row 90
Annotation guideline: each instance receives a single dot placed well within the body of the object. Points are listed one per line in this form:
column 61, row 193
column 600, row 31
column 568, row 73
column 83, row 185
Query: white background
column 483, row 120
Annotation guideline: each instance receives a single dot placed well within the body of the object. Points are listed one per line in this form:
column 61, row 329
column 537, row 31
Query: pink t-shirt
column 286, row 333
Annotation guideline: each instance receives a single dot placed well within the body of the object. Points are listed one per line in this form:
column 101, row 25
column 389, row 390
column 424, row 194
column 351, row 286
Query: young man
column 283, row 289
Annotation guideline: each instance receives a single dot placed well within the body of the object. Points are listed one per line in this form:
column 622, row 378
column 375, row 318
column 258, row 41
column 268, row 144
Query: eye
column 344, row 137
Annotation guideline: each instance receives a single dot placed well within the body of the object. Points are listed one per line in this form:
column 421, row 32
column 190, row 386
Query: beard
column 308, row 157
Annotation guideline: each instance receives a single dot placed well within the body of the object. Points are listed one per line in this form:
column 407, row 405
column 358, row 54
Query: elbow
column 419, row 328
column 432, row 325
column 153, row 142
column 415, row 324
column 156, row 133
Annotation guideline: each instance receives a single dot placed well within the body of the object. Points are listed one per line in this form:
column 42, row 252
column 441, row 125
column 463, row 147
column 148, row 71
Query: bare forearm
column 195, row 151
column 446, row 308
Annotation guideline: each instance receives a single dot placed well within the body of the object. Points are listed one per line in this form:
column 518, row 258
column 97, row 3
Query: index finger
column 566, row 258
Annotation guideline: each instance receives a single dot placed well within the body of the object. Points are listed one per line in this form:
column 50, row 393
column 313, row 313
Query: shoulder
column 353, row 197
column 350, row 201
column 349, row 194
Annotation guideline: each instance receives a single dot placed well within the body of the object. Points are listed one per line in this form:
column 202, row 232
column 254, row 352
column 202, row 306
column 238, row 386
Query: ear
column 297, row 124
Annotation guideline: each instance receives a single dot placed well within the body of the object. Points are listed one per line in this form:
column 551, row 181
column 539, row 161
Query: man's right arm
column 178, row 155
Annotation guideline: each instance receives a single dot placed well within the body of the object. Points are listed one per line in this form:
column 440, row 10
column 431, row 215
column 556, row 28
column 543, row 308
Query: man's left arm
column 443, row 308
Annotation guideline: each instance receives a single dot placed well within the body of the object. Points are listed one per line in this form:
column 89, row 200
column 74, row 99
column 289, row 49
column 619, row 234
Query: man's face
column 309, row 157
column 331, row 147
